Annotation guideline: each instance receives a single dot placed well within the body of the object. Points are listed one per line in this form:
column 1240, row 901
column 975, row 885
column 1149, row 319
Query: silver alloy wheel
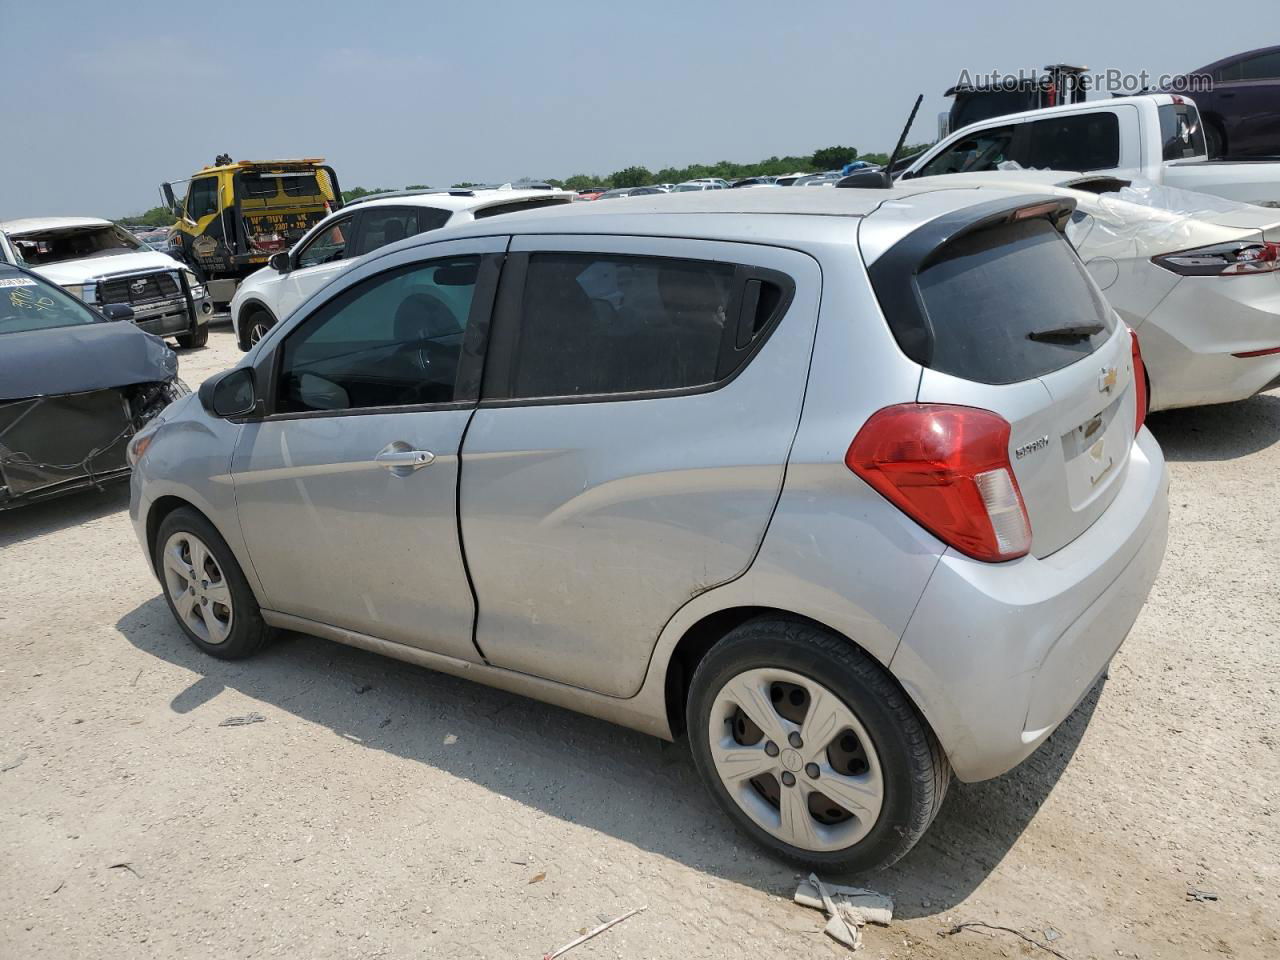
column 257, row 330
column 197, row 587
column 786, row 776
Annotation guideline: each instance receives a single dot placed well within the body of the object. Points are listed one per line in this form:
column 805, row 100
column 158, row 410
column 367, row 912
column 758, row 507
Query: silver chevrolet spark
column 849, row 487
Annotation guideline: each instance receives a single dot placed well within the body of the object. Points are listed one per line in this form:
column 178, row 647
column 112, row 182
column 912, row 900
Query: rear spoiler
column 893, row 275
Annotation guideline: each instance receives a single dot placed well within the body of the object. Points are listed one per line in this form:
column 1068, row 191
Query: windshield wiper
column 1071, row 334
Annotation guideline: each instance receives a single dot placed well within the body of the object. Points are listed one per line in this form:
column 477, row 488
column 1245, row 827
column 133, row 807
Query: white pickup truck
column 1154, row 137
column 102, row 263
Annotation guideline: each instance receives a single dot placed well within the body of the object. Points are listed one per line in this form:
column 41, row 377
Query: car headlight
column 194, row 285
column 137, row 447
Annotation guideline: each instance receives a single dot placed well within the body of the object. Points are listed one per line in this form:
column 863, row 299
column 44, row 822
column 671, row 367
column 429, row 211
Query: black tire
column 198, row 337
column 255, row 316
column 914, row 769
column 248, row 630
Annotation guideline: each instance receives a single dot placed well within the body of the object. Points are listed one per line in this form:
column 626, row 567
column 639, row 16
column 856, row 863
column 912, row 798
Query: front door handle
column 401, row 459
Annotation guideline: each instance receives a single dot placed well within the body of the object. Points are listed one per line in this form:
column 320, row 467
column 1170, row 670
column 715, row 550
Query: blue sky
column 108, row 99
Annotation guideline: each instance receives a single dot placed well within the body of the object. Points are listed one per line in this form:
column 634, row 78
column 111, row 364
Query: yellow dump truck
column 232, row 216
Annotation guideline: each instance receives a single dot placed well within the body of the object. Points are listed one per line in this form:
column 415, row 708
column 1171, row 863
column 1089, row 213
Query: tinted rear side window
column 1087, row 141
column 599, row 324
column 1011, row 303
column 1180, row 131
column 383, row 225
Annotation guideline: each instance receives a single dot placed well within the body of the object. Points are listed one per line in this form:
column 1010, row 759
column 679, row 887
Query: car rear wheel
column 206, row 589
column 811, row 748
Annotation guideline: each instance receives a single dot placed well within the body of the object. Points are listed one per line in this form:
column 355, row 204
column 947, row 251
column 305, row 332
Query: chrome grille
column 139, row 289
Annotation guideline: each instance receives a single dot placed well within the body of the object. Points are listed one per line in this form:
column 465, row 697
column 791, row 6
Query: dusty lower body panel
column 53, row 445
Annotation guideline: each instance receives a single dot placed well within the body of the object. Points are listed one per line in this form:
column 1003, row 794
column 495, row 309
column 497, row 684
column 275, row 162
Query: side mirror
column 117, row 311
column 170, row 204
column 279, row 262
column 230, row 395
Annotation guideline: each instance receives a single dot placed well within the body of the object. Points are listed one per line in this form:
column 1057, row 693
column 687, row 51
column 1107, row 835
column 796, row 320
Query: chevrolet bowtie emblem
column 1107, row 379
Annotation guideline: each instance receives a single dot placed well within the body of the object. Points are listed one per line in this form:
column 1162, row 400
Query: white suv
column 361, row 227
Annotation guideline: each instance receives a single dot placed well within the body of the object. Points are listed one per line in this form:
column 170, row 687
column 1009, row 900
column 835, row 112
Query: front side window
column 393, row 340
column 327, row 246
column 1085, row 141
column 984, row 150
column 602, row 324
column 30, row 304
column 202, row 198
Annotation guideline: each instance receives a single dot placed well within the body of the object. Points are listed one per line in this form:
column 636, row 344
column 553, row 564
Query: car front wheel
column 259, row 322
column 811, row 747
column 206, row 589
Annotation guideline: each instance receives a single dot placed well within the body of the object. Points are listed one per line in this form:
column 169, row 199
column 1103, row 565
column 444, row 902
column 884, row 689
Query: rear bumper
column 996, row 656
column 1189, row 340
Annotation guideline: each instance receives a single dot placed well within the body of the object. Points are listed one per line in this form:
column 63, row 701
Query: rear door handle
column 400, row 459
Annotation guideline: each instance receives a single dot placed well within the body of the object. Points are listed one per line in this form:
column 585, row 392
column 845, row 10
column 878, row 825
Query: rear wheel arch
column 699, row 638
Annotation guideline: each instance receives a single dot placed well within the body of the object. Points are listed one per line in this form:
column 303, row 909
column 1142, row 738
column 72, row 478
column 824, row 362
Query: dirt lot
column 385, row 811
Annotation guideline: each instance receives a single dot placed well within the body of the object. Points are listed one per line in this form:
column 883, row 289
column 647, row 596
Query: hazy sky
column 106, row 99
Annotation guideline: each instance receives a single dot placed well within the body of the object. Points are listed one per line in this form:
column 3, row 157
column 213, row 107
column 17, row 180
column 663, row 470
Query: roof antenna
column 882, row 179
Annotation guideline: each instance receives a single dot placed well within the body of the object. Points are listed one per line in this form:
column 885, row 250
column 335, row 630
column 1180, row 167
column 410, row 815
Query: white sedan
column 1197, row 277
column 360, row 227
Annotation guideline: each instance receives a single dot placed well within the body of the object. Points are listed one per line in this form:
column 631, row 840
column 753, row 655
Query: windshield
column 30, row 304
column 74, row 243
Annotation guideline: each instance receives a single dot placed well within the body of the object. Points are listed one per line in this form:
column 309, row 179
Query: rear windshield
column 1011, row 304
column 1180, row 132
column 74, row 243
column 30, row 304
column 261, row 186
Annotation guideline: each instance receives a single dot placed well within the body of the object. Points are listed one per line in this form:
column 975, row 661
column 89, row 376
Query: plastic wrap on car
column 1164, row 218
column 73, row 440
column 46, row 441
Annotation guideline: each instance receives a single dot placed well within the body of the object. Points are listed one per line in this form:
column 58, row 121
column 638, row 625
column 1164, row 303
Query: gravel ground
column 385, row 811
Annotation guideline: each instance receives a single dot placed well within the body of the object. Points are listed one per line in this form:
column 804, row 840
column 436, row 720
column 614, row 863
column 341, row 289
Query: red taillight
column 948, row 469
column 1269, row 351
column 1139, row 382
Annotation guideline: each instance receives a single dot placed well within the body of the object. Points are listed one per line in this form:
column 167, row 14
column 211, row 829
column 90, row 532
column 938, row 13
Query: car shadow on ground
column 1223, row 431
column 50, row 516
column 586, row 771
